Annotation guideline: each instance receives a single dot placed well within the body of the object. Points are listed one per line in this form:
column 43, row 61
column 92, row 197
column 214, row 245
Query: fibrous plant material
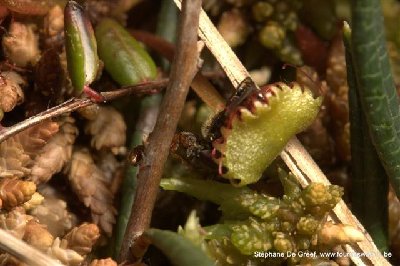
column 14, row 192
column 108, row 129
column 93, row 190
column 247, row 135
column 21, row 45
column 56, row 153
column 81, row 238
column 11, row 93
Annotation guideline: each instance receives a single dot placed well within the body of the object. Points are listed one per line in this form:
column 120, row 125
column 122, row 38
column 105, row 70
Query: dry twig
column 75, row 104
column 183, row 70
column 24, row 252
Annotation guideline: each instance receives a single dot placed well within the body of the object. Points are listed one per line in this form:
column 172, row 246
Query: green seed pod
column 80, row 43
column 124, row 58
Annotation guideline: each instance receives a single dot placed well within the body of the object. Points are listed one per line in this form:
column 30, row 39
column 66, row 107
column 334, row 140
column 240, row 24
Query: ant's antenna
column 316, row 88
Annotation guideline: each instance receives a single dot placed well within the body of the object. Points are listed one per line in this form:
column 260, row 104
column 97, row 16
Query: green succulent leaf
column 235, row 203
column 124, row 58
column 81, row 47
column 257, row 137
column 178, row 249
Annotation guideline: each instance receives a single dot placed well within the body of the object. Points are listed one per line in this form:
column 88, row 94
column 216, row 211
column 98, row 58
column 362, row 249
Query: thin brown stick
column 75, row 104
column 24, row 252
column 184, row 68
column 294, row 154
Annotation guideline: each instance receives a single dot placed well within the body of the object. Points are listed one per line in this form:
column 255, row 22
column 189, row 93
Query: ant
column 244, row 90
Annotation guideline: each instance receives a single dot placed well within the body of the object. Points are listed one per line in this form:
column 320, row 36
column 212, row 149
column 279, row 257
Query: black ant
column 244, row 90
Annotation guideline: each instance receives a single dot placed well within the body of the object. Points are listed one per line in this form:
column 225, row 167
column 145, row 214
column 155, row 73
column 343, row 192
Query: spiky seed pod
column 34, row 138
column 14, row 192
column 81, row 238
column 55, row 153
column 21, row 44
column 37, row 235
column 103, row 262
column 108, row 129
column 338, row 234
column 14, row 222
column 11, row 93
column 234, row 27
column 65, row 256
column 89, row 183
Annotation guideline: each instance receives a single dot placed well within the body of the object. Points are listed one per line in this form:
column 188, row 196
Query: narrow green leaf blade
column 179, row 250
column 376, row 86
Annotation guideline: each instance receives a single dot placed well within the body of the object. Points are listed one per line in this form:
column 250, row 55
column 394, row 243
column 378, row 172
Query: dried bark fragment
column 65, row 256
column 108, row 129
column 89, row 183
column 37, row 235
column 103, row 262
column 82, row 238
column 11, row 93
column 55, row 153
column 14, row 192
column 34, row 138
column 21, row 44
column 14, row 222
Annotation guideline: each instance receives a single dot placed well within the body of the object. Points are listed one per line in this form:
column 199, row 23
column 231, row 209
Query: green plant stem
column 369, row 180
column 148, row 115
column 376, row 88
